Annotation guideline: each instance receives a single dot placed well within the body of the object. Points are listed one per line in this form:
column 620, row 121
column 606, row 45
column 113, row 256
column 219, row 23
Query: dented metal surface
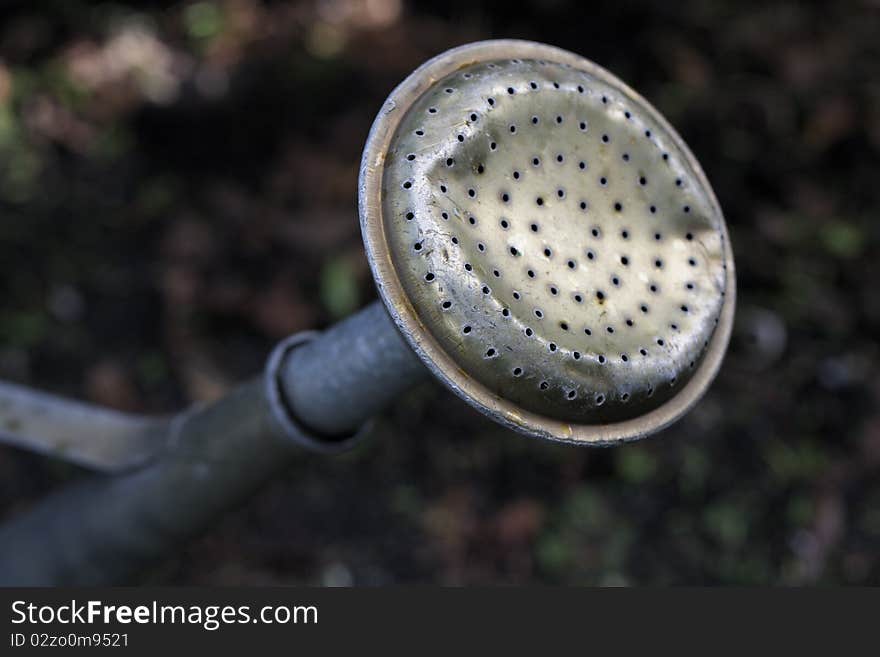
column 547, row 243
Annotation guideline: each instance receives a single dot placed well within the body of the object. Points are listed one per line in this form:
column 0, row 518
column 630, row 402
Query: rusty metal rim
column 406, row 318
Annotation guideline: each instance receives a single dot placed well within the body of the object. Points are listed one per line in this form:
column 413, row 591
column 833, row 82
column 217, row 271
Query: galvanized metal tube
column 106, row 528
column 348, row 374
column 103, row 529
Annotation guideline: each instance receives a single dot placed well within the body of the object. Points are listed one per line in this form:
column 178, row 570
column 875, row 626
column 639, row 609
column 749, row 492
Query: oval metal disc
column 546, row 242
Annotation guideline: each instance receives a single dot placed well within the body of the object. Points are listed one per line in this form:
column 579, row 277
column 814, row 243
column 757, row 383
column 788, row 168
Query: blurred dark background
column 178, row 192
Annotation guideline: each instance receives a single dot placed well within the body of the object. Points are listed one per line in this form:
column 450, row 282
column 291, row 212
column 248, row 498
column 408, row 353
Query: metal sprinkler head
column 547, row 243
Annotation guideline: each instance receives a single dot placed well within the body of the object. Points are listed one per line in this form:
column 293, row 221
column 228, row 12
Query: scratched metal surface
column 553, row 237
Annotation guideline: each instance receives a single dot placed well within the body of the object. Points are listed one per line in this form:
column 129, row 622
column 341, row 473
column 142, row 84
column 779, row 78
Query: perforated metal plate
column 546, row 242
